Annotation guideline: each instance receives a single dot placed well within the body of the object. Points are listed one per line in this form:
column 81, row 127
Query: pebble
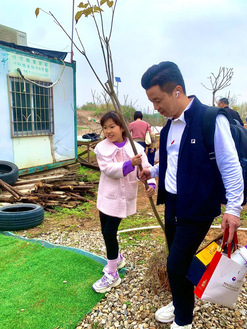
column 133, row 303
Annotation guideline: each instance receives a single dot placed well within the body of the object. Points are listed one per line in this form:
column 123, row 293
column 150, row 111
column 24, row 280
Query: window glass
column 31, row 107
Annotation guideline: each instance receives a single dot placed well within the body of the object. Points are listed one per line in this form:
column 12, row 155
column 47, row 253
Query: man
column 224, row 104
column 187, row 182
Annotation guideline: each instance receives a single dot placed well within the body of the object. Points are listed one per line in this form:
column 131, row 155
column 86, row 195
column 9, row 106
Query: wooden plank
column 34, row 180
column 7, row 198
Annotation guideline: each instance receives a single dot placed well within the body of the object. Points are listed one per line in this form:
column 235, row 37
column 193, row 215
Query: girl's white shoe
column 107, row 282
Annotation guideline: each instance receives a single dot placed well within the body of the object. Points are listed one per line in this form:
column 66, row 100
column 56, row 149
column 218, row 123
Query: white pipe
column 151, row 227
column 138, row 229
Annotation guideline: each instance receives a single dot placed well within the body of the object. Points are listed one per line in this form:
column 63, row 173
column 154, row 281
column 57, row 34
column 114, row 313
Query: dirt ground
column 87, row 123
column 72, row 223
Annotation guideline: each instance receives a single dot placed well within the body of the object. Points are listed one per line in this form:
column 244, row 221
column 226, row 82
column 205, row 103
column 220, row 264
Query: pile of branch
column 65, row 190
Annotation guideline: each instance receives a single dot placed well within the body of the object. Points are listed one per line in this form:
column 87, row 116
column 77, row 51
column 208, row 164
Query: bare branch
column 206, row 87
column 109, row 87
column 80, row 41
column 102, row 22
column 113, row 13
column 219, row 81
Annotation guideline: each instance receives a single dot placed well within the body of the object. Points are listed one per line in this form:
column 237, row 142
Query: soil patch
column 72, row 223
column 87, row 122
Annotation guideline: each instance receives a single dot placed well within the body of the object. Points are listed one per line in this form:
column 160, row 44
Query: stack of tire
column 19, row 216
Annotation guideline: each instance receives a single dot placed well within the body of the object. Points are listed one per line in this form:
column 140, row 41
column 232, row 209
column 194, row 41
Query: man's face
column 220, row 104
column 166, row 104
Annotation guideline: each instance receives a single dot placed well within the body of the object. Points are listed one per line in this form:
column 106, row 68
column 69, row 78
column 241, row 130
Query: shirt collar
column 181, row 117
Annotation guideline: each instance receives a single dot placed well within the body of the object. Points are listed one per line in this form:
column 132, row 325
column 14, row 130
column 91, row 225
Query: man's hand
column 144, row 175
column 233, row 222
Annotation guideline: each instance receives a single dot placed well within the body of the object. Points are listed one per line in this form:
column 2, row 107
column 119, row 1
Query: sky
column 200, row 36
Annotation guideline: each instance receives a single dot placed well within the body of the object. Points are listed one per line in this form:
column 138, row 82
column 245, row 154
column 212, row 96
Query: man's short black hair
column 224, row 100
column 138, row 115
column 166, row 75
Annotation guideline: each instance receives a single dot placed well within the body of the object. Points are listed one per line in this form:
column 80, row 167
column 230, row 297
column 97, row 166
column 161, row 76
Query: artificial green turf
column 44, row 288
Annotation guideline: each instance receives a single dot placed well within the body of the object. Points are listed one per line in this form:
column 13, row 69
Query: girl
column 117, row 191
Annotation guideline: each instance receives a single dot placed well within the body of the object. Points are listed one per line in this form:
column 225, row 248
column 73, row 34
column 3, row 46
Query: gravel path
column 133, row 303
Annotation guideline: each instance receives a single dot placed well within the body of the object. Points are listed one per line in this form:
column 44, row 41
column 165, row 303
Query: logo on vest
column 193, row 141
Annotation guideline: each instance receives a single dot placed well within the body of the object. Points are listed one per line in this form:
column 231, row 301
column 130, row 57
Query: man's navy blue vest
column 197, row 192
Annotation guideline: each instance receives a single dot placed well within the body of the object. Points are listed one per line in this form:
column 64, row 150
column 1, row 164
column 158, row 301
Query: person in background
column 138, row 129
column 224, row 104
column 117, row 191
column 151, row 149
column 187, row 182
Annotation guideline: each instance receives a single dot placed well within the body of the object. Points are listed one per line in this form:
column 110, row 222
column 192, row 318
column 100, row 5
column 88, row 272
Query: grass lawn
column 44, row 287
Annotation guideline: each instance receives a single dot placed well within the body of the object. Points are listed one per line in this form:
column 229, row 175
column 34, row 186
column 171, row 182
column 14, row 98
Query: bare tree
column 219, row 81
column 87, row 9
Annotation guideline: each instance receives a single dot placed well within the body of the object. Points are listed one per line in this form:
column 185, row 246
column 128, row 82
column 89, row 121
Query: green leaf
column 37, row 12
column 82, row 5
column 87, row 11
column 78, row 16
column 97, row 9
column 109, row 3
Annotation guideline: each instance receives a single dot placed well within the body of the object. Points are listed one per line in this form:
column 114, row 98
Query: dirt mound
column 87, row 122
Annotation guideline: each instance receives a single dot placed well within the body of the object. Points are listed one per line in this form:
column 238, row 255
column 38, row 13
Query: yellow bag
column 207, row 254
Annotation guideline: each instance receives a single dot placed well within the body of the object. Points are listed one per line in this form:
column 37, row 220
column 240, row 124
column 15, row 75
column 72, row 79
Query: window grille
column 31, row 108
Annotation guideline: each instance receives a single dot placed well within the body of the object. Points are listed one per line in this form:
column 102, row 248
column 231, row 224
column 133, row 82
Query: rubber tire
column 20, row 216
column 9, row 172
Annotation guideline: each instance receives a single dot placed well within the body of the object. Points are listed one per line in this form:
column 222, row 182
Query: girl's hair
column 115, row 117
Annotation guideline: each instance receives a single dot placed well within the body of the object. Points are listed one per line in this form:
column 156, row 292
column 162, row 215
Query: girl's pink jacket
column 117, row 194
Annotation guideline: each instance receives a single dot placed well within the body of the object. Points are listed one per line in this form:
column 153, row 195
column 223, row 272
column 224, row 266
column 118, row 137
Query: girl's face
column 112, row 131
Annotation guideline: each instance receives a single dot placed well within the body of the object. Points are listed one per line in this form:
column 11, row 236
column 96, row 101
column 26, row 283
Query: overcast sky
column 198, row 35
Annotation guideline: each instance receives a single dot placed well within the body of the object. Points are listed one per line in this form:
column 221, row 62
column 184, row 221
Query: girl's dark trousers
column 109, row 228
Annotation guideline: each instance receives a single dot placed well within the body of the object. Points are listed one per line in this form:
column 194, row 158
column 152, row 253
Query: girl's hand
column 136, row 160
column 150, row 192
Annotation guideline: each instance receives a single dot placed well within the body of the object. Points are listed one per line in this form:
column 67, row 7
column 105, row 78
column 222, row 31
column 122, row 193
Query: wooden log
column 29, row 198
column 65, row 187
column 79, row 197
column 48, row 196
column 34, row 180
column 67, row 206
column 73, row 167
column 38, row 185
column 25, row 187
column 9, row 188
column 7, row 198
column 58, row 193
column 83, row 187
column 69, row 182
column 51, row 203
column 71, row 204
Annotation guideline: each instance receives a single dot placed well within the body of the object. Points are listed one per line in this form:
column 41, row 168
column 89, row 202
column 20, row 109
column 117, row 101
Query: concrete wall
column 33, row 151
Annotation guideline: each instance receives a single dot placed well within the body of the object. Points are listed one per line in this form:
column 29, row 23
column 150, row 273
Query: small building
column 38, row 108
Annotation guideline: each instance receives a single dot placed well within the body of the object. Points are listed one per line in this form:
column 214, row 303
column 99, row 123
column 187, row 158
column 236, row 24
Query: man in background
column 224, row 104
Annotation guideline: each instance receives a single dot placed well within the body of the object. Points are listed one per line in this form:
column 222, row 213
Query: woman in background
column 138, row 129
